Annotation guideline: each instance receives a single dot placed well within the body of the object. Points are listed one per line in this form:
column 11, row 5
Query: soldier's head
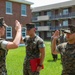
column 2, row 26
column 30, row 28
column 2, row 22
column 70, row 32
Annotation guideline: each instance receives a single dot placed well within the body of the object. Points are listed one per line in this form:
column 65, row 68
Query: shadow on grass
column 50, row 61
column 53, row 60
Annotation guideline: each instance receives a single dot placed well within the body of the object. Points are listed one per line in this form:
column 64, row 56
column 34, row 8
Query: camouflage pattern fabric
column 32, row 51
column 3, row 54
column 62, row 38
column 68, row 58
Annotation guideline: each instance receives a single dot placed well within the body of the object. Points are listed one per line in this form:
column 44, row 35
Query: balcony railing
column 53, row 17
column 70, row 15
column 34, row 19
column 50, row 28
column 53, row 28
column 40, row 18
column 43, row 28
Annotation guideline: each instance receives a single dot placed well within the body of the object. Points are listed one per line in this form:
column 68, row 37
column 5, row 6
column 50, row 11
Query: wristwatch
column 40, row 65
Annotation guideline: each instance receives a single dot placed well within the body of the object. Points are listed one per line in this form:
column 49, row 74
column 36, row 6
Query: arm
column 22, row 40
column 55, row 37
column 42, row 55
column 16, row 41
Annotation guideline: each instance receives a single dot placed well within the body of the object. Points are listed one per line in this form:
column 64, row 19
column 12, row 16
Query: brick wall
column 10, row 19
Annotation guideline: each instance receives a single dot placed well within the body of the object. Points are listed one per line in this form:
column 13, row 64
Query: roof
column 54, row 6
column 22, row 1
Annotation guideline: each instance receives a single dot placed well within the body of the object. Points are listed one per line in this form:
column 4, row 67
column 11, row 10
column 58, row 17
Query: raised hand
column 56, row 34
column 18, row 25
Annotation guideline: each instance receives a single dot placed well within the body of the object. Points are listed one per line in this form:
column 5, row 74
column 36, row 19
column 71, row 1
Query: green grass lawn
column 15, row 60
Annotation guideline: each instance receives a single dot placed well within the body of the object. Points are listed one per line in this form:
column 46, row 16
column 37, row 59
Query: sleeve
column 4, row 44
column 41, row 44
column 58, row 48
column 24, row 39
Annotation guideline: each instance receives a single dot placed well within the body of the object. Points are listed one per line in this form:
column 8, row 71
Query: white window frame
column 9, row 6
column 23, row 32
column 48, row 34
column 36, row 14
column 48, row 23
column 9, row 31
column 37, row 33
column 37, row 24
column 49, row 13
column 23, row 9
column 65, row 11
column 65, row 23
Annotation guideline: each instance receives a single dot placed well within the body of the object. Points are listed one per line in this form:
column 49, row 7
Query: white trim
column 22, row 1
column 23, row 15
column 23, row 8
column 9, row 37
column 9, row 7
column 7, row 32
column 24, row 31
column 9, row 13
column 21, row 44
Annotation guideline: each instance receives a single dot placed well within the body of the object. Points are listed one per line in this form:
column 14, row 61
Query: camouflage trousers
column 28, row 71
column 3, row 73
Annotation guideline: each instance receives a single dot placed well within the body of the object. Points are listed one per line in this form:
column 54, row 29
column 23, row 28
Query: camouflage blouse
column 3, row 53
column 32, row 48
column 68, row 58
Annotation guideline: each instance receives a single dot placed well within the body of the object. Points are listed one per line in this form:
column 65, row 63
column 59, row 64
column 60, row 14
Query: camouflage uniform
column 32, row 51
column 62, row 39
column 3, row 53
column 68, row 58
column 55, row 56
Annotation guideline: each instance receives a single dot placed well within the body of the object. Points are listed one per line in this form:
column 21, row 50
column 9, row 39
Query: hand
column 39, row 68
column 18, row 25
column 56, row 35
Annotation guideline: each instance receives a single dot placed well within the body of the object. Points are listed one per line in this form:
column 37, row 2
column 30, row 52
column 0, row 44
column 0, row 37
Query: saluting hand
column 56, row 34
column 18, row 25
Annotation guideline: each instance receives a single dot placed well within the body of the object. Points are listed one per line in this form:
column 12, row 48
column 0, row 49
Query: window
column 65, row 11
column 8, row 8
column 36, row 14
column 9, row 32
column 48, row 23
column 60, row 25
column 37, row 33
column 37, row 24
column 49, row 13
column 65, row 23
column 48, row 34
column 23, row 10
column 23, row 32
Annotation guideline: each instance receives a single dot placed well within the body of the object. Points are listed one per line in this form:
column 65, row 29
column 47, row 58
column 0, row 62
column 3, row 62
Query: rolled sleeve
column 41, row 44
column 57, row 49
column 4, row 44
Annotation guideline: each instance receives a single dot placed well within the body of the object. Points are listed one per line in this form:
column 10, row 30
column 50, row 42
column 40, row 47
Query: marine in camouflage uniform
column 32, row 51
column 67, row 51
column 6, row 45
column 54, row 56
column 3, row 53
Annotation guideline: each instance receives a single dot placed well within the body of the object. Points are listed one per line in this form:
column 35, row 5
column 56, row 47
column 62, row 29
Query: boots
column 54, row 57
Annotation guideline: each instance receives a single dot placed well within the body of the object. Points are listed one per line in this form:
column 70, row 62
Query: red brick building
column 52, row 17
column 13, row 10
